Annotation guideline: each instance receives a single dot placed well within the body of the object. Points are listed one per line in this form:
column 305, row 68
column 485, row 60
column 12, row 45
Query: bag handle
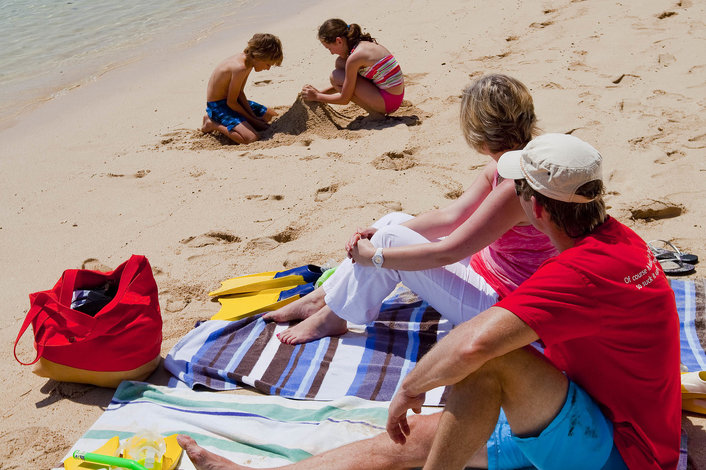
column 130, row 271
column 68, row 284
column 133, row 265
column 37, row 306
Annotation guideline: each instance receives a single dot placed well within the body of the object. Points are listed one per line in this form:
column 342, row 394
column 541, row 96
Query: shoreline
column 168, row 43
column 118, row 167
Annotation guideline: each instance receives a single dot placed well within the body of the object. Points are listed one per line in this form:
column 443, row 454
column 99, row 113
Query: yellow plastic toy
column 169, row 460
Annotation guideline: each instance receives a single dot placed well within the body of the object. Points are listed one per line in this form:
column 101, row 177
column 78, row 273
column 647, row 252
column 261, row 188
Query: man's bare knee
column 421, row 436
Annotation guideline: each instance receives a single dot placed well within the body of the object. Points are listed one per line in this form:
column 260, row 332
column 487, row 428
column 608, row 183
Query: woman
column 462, row 258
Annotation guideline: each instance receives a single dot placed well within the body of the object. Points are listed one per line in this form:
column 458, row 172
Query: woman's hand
column 309, row 93
column 362, row 252
column 359, row 234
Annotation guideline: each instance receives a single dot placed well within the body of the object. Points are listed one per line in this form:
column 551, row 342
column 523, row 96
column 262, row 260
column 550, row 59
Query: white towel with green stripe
column 252, row 430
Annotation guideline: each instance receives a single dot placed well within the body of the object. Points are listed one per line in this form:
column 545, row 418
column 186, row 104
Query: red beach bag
column 121, row 341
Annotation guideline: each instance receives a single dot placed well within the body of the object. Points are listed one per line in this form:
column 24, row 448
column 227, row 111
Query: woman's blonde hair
column 497, row 111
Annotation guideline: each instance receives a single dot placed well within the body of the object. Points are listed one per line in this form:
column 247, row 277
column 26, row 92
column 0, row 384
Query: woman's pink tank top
column 513, row 257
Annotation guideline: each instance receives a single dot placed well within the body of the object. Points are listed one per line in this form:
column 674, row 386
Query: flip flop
column 695, row 405
column 693, row 385
column 666, row 253
column 676, row 267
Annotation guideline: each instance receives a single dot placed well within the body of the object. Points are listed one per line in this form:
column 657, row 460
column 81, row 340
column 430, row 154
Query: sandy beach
column 117, row 166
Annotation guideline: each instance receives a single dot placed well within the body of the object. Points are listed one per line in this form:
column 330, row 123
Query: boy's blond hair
column 265, row 47
column 497, row 111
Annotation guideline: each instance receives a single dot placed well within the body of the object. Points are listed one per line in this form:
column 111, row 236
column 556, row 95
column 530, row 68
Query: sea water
column 48, row 47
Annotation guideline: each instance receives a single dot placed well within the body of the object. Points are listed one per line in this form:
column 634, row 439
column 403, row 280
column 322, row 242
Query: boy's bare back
column 228, row 78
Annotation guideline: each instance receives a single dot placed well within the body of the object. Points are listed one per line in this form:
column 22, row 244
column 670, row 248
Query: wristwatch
column 378, row 259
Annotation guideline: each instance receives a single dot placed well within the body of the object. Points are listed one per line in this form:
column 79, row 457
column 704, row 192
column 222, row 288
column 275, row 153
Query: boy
column 228, row 111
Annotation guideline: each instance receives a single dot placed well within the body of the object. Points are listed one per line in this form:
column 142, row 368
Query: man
column 606, row 393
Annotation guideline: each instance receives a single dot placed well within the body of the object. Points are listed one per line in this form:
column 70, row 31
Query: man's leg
column 530, row 390
column 378, row 452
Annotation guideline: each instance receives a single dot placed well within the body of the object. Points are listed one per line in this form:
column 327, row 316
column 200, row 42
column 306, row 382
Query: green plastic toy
column 108, row 460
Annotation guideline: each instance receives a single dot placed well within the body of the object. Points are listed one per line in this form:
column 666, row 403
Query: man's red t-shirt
column 607, row 317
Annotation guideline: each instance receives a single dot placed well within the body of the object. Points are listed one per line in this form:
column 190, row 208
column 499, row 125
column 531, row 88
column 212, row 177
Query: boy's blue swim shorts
column 579, row 437
column 219, row 112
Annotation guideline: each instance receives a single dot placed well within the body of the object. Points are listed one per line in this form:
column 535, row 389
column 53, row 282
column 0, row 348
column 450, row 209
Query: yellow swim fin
column 237, row 306
column 269, row 280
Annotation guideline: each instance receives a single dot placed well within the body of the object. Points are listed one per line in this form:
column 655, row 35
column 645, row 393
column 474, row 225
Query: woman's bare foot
column 322, row 323
column 203, row 459
column 208, row 125
column 299, row 309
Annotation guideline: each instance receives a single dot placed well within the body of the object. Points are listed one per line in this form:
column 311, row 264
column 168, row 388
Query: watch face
column 377, row 259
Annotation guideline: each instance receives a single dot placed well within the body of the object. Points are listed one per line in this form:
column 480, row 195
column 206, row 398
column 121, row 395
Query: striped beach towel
column 691, row 304
column 252, row 430
column 368, row 362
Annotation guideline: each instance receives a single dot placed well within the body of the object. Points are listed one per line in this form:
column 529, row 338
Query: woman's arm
column 497, row 213
column 443, row 221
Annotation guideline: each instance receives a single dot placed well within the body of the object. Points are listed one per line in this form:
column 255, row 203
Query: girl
column 462, row 258
column 380, row 86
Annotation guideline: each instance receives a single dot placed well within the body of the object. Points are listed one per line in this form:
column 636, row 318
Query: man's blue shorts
column 219, row 112
column 580, row 437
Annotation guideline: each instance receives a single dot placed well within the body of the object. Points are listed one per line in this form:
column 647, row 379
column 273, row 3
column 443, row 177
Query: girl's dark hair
column 576, row 219
column 337, row 28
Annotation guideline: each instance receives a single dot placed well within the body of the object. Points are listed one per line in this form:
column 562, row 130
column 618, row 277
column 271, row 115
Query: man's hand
column 397, row 425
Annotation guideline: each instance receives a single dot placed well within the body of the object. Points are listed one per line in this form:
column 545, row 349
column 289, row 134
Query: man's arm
column 464, row 350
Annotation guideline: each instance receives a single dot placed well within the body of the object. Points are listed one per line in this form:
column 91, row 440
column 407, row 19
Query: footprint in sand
column 263, row 197
column 210, row 238
column 397, row 161
column 541, row 25
column 623, row 76
column 454, row 193
column 656, row 210
column 178, row 296
column 414, row 78
column 323, row 194
column 553, row 86
column 286, row 235
column 697, row 142
column 671, row 156
column 273, row 241
column 95, row 265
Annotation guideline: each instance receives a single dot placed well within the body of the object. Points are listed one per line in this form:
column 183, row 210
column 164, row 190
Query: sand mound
column 311, row 117
column 301, row 123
